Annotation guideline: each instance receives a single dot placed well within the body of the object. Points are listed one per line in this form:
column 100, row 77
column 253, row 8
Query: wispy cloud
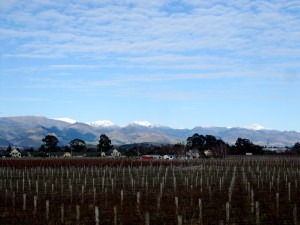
column 72, row 66
column 125, row 32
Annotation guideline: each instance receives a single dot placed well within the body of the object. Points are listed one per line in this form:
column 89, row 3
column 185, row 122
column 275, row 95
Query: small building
column 157, row 156
column 248, row 153
column 15, row 153
column 67, row 155
column 193, row 153
column 116, row 153
column 146, row 157
column 208, row 153
column 169, row 157
column 61, row 154
column 149, row 157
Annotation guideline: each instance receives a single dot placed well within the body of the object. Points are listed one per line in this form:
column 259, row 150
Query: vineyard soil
column 235, row 190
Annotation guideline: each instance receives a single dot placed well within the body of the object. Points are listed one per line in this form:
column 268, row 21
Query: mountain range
column 28, row 131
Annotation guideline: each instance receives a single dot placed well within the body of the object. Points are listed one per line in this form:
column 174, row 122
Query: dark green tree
column 8, row 149
column 31, row 149
column 51, row 143
column 104, row 143
column 195, row 142
column 131, row 153
column 243, row 145
column 220, row 149
column 296, row 148
column 201, row 142
column 67, row 148
column 42, row 148
column 77, row 145
column 210, row 141
column 179, row 149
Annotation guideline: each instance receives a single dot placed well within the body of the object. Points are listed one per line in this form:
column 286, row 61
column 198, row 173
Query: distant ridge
column 28, row 131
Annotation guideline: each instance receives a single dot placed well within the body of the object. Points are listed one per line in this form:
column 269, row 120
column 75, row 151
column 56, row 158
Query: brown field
column 237, row 190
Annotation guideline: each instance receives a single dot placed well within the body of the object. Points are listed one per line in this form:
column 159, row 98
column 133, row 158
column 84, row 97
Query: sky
column 176, row 63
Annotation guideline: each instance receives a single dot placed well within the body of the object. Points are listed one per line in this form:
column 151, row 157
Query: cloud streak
column 129, row 34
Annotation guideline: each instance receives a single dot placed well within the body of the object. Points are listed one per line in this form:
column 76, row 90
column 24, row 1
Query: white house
column 169, row 157
column 67, row 155
column 116, row 153
column 15, row 153
column 208, row 153
column 157, row 156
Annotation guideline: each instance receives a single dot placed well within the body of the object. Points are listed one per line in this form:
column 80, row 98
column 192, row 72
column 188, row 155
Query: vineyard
column 237, row 190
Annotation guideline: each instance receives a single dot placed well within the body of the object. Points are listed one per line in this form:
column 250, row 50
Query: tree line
column 241, row 146
column 201, row 143
column 75, row 145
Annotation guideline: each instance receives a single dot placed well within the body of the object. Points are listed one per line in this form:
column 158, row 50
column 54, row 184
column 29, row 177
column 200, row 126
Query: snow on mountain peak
column 256, row 127
column 101, row 123
column 67, row 120
column 143, row 123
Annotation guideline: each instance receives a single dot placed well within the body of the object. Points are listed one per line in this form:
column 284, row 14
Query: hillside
column 28, row 131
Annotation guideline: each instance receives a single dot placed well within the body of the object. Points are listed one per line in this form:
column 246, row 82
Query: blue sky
column 176, row 63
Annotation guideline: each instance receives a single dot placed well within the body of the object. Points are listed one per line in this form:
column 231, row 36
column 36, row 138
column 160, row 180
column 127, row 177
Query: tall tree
column 104, row 143
column 201, row 142
column 77, row 145
column 8, row 149
column 296, row 148
column 179, row 149
column 43, row 149
column 195, row 142
column 220, row 149
column 210, row 141
column 243, row 145
column 51, row 142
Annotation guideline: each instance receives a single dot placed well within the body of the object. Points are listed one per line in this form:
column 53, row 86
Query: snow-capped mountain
column 108, row 123
column 102, row 123
column 33, row 129
column 67, row 120
column 256, row 127
column 143, row 124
